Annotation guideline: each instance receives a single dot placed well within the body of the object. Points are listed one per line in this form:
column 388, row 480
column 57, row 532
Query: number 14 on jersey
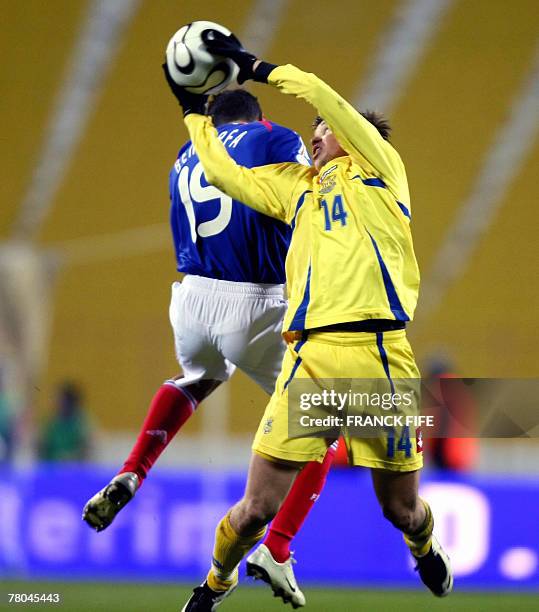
column 334, row 213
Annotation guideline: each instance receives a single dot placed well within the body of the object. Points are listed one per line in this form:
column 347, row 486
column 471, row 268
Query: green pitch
column 124, row 597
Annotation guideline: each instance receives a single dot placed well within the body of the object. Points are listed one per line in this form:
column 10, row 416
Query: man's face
column 324, row 146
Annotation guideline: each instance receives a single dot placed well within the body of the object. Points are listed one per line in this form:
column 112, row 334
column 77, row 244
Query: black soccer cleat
column 435, row 570
column 102, row 508
column 205, row 599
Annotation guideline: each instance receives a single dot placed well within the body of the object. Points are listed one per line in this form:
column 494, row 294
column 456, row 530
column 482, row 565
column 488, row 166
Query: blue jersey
column 218, row 237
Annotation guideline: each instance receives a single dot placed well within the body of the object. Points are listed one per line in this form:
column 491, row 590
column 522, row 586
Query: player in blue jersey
column 226, row 313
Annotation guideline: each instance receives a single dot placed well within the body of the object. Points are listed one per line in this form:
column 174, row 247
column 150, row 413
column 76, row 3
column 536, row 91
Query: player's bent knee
column 256, row 513
column 262, row 510
column 399, row 516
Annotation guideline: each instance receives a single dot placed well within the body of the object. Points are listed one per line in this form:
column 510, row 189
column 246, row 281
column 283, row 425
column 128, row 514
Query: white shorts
column 220, row 325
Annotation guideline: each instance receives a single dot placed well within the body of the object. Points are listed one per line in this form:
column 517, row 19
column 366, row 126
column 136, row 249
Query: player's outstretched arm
column 355, row 134
column 268, row 189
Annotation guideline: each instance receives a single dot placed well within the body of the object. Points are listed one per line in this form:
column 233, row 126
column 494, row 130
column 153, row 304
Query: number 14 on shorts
column 402, row 444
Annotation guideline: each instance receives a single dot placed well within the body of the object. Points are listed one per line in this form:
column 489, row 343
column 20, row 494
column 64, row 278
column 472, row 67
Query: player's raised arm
column 268, row 189
column 357, row 136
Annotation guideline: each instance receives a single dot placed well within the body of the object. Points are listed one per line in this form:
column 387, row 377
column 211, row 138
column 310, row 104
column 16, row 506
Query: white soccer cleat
column 102, row 508
column 280, row 576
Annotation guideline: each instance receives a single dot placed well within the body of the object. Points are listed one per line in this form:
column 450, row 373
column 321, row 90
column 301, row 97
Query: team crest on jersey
column 328, row 171
column 327, row 183
column 268, row 425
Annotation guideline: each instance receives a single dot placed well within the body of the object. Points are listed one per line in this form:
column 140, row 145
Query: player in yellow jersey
column 352, row 282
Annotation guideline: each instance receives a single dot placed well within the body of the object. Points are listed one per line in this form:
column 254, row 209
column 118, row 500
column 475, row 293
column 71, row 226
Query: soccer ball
column 192, row 66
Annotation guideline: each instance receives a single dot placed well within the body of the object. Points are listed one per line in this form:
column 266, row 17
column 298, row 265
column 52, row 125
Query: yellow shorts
column 328, row 355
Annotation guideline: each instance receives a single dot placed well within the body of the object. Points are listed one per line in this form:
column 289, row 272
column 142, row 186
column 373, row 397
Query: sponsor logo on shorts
column 268, row 426
column 419, row 440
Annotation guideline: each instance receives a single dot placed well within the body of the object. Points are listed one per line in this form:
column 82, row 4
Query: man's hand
column 229, row 46
column 190, row 102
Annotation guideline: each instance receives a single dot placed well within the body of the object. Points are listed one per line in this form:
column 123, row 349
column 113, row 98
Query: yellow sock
column 229, row 549
column 216, row 584
column 420, row 541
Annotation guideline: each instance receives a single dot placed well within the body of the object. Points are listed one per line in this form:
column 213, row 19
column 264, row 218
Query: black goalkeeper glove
column 229, row 46
column 190, row 102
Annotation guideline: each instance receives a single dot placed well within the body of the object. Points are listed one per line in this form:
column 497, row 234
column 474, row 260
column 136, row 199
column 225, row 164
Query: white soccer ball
column 192, row 66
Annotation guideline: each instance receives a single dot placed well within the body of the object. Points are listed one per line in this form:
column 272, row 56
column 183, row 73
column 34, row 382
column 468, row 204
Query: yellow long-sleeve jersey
column 351, row 255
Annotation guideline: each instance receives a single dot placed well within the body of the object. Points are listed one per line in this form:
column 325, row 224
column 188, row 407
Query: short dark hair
column 234, row 105
column 374, row 117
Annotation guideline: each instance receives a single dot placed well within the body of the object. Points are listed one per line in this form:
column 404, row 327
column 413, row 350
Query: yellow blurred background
column 109, row 217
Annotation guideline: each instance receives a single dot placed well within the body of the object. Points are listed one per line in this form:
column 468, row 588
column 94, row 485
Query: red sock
column 170, row 407
column 297, row 505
